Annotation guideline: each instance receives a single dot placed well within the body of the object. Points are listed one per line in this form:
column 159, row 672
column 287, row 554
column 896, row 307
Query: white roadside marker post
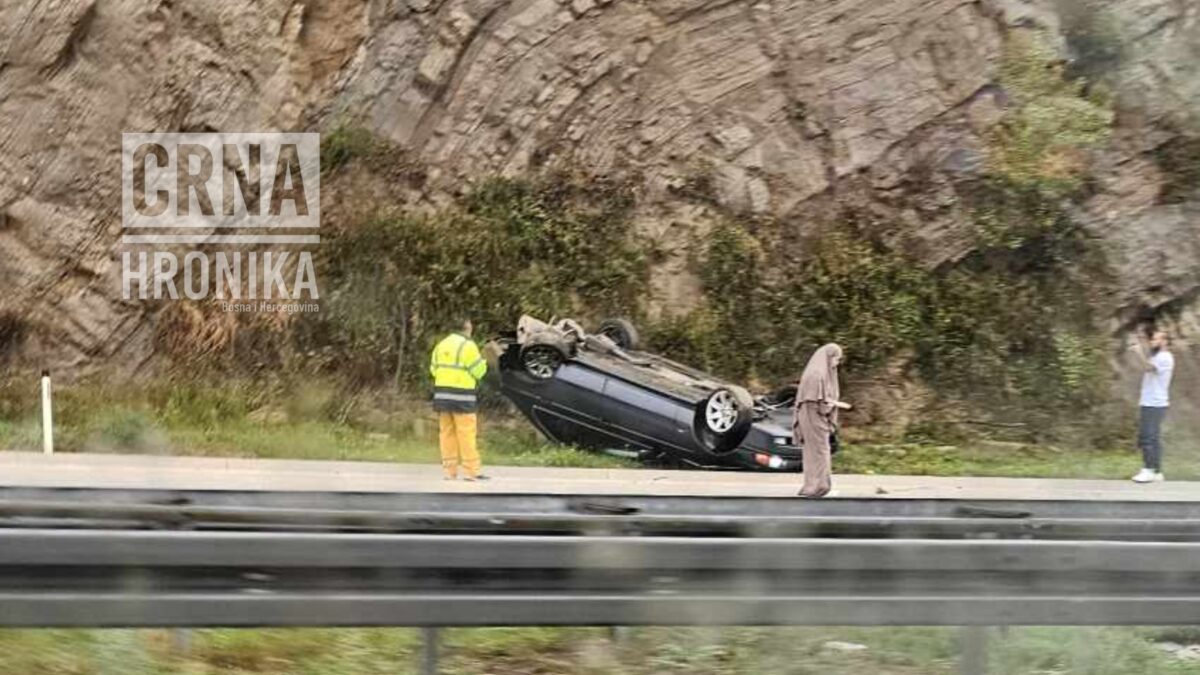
column 47, row 416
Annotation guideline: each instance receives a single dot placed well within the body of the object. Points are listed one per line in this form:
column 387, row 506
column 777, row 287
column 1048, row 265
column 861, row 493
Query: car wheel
column 541, row 361
column 724, row 418
column 621, row 332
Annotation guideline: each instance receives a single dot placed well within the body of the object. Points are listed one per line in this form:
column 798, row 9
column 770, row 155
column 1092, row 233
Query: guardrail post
column 973, row 640
column 619, row 635
column 429, row 653
column 181, row 641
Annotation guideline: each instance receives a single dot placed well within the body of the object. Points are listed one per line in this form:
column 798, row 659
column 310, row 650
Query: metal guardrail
column 733, row 516
column 150, row 558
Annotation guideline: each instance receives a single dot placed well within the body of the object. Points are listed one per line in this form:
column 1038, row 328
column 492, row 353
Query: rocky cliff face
column 790, row 109
column 780, row 99
column 74, row 75
column 779, row 104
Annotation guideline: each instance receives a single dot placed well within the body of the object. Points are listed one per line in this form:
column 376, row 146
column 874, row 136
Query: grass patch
column 319, row 440
column 1095, row 651
column 1013, row 460
column 317, row 422
column 585, row 651
column 236, row 419
column 500, row 445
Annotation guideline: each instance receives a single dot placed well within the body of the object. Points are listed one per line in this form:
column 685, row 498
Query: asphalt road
column 216, row 473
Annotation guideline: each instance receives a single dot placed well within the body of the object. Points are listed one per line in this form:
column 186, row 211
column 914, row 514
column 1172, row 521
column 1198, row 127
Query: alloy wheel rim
column 721, row 412
column 540, row 364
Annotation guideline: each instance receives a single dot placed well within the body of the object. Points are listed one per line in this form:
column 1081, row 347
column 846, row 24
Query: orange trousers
column 457, row 442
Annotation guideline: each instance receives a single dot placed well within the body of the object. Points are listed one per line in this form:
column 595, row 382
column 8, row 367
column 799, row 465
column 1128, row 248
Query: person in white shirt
column 1158, row 364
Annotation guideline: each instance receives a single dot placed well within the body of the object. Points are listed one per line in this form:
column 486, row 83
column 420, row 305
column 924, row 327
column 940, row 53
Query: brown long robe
column 815, row 418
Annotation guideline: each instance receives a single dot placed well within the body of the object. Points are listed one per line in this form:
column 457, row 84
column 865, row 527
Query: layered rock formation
column 74, row 75
column 785, row 108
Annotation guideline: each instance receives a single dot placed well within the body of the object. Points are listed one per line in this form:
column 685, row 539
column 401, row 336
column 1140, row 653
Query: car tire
column 541, row 361
column 723, row 419
column 621, row 332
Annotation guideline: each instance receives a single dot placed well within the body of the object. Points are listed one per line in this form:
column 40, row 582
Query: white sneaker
column 1148, row 476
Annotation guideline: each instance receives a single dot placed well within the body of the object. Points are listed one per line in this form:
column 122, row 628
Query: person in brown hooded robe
column 818, row 399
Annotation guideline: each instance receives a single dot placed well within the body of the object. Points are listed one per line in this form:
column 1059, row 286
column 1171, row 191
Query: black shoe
column 480, row 477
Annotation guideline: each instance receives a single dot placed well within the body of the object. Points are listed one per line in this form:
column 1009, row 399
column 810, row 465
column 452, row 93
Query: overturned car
column 598, row 391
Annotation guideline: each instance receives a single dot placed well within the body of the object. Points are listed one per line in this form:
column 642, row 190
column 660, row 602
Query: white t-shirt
column 1157, row 382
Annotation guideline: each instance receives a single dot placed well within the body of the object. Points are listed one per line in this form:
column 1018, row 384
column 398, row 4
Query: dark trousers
column 1150, row 436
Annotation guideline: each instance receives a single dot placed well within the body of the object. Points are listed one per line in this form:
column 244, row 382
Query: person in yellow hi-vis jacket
column 457, row 368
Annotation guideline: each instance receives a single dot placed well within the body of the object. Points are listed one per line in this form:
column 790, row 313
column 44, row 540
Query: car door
column 633, row 410
column 571, row 408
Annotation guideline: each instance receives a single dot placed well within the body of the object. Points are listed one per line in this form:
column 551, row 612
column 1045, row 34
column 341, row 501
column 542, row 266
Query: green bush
column 343, row 143
column 760, row 328
column 202, row 404
column 1044, row 139
column 560, row 245
column 1008, row 328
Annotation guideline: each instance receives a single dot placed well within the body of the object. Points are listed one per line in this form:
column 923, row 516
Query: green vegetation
column 294, row 419
column 587, row 651
column 1007, row 330
column 752, row 327
column 1003, row 327
column 996, row 458
column 300, row 419
column 1044, row 140
column 560, row 245
column 343, row 143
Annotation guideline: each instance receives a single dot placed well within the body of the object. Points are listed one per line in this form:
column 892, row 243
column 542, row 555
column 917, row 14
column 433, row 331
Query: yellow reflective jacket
column 457, row 367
